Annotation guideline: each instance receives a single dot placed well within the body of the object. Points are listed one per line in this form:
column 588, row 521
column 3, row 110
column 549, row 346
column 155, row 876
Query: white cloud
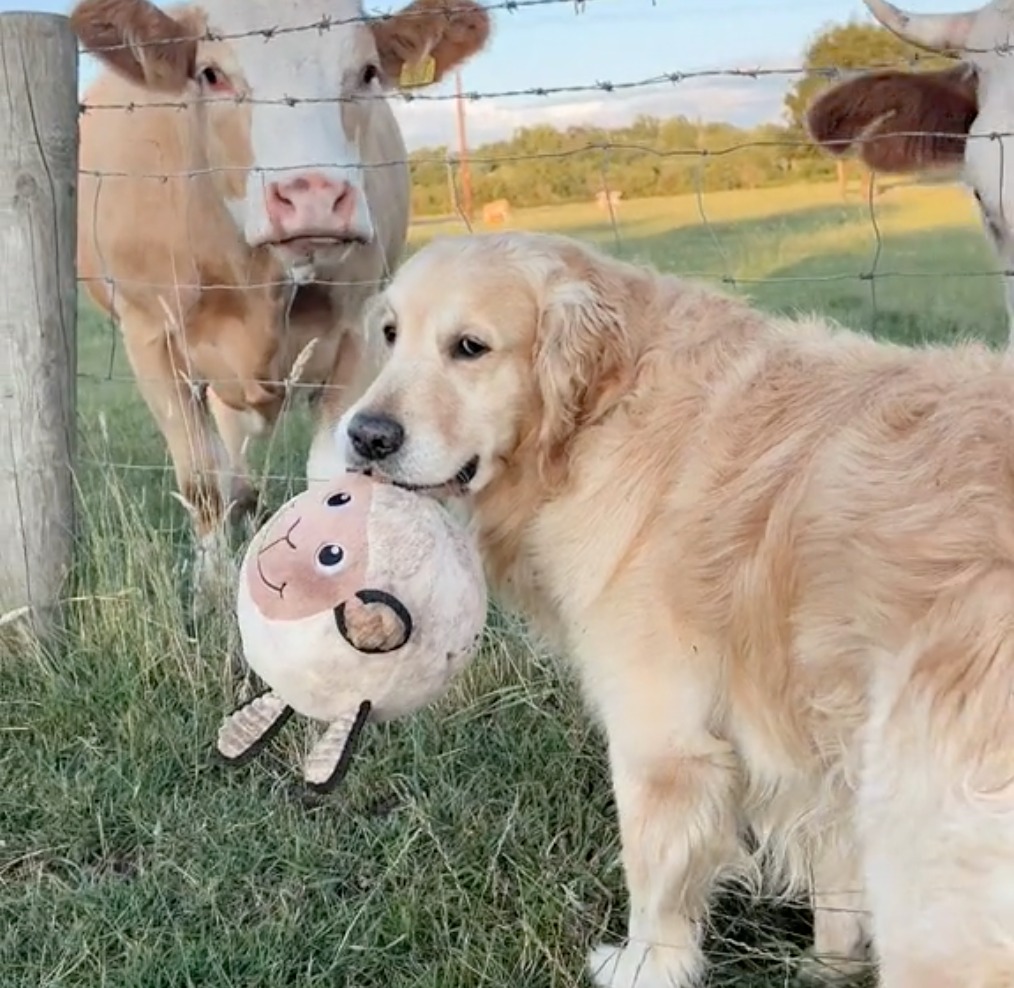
column 738, row 100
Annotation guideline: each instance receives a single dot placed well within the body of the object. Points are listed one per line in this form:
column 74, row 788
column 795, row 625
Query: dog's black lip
column 457, row 484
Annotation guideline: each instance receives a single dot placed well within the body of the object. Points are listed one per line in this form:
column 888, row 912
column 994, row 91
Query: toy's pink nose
column 311, row 205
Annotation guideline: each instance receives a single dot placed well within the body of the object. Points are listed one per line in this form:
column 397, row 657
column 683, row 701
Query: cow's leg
column 196, row 452
column 351, row 374
column 237, row 428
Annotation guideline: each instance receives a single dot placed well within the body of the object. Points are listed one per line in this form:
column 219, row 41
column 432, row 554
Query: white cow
column 907, row 121
column 244, row 189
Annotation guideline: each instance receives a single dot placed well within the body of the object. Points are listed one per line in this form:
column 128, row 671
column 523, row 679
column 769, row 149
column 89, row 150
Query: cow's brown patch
column 901, row 121
column 448, row 31
column 140, row 41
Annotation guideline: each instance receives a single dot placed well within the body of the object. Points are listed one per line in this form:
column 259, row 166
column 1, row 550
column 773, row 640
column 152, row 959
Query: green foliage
column 541, row 165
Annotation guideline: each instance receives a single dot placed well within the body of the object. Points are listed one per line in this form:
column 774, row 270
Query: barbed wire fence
column 43, row 461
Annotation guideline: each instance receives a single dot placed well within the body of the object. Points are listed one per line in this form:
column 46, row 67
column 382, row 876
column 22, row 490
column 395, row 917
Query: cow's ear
column 139, row 41
column 899, row 121
column 420, row 44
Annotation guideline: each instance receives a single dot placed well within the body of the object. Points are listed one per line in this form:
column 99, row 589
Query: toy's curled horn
column 374, row 622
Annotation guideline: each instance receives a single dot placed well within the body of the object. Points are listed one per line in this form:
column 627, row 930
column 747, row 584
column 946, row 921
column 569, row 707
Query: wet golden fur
column 781, row 557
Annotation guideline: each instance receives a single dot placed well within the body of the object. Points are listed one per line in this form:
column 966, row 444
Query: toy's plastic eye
column 338, row 500
column 330, row 557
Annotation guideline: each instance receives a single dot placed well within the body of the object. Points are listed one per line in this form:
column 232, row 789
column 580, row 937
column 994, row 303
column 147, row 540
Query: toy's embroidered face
column 313, row 556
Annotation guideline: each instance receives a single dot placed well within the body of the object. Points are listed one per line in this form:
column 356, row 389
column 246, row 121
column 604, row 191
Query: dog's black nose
column 375, row 436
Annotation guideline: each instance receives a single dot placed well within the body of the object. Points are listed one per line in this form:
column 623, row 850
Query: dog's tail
column 936, row 801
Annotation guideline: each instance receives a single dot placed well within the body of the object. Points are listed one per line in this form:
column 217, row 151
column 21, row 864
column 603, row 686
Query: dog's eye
column 390, row 332
column 338, row 500
column 468, row 348
column 329, row 558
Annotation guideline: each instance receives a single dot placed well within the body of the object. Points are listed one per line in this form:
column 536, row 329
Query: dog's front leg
column 675, row 786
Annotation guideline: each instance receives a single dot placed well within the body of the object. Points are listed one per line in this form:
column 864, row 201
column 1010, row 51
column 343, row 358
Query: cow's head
column 283, row 94
column 910, row 121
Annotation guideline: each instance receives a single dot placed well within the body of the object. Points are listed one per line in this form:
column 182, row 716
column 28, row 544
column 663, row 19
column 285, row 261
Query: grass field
column 474, row 845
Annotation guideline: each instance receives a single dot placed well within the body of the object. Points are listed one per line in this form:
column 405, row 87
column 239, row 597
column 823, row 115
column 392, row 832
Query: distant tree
column 649, row 157
column 848, row 46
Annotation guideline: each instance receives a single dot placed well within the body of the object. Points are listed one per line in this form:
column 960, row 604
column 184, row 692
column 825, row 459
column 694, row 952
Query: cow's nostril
column 341, row 198
column 278, row 201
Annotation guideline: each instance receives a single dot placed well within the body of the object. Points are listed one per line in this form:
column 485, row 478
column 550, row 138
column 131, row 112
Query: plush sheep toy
column 357, row 601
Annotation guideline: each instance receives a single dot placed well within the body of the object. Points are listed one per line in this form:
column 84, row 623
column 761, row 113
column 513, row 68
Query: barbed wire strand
column 664, row 79
column 593, row 146
column 324, row 24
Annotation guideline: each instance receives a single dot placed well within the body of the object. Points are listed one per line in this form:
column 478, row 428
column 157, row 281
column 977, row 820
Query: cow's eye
column 371, row 73
column 214, row 79
column 390, row 332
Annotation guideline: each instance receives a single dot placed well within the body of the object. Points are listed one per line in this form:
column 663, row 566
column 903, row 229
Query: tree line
column 544, row 165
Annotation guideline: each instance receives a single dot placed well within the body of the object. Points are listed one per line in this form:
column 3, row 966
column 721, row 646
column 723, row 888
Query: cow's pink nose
column 310, row 205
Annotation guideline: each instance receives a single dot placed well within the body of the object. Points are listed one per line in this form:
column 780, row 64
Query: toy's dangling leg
column 250, row 727
column 328, row 760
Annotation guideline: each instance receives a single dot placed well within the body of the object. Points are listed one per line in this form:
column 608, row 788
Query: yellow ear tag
column 421, row 74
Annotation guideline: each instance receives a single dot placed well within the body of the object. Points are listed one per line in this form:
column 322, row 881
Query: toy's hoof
column 246, row 730
column 329, row 759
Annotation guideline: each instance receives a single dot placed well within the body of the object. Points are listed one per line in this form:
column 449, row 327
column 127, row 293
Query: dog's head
column 498, row 347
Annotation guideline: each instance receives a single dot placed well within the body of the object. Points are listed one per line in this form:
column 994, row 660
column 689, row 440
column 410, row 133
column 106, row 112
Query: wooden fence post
column 38, row 311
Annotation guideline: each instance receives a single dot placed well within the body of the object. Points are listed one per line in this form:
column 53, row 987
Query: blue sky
column 620, row 41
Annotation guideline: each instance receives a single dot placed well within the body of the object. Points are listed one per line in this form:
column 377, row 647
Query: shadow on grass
column 630, row 240
column 924, row 288
column 935, row 286
column 702, row 245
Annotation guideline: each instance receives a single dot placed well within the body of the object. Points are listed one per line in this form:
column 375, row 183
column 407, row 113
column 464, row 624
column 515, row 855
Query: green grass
column 473, row 845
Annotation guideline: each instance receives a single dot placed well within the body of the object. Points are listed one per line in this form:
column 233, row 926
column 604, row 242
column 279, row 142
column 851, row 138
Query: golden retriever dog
column 780, row 555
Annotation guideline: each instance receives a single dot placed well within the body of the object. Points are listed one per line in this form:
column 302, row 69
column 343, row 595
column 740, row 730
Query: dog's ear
column 582, row 356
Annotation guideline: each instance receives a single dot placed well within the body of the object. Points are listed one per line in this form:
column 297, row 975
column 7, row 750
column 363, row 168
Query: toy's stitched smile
column 287, row 538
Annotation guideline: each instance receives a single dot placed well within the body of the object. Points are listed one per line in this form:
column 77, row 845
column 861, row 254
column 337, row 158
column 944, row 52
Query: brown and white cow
column 912, row 121
column 244, row 189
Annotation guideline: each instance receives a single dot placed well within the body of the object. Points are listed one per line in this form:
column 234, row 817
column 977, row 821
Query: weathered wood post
column 38, row 311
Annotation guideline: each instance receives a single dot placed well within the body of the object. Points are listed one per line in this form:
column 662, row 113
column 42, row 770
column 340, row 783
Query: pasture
column 472, row 846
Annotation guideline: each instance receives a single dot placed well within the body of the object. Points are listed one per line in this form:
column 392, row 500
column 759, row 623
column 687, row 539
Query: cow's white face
column 989, row 162
column 281, row 103
column 294, row 143
column 984, row 40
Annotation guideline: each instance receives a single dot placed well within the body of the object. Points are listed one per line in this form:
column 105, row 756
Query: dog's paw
column 639, row 966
